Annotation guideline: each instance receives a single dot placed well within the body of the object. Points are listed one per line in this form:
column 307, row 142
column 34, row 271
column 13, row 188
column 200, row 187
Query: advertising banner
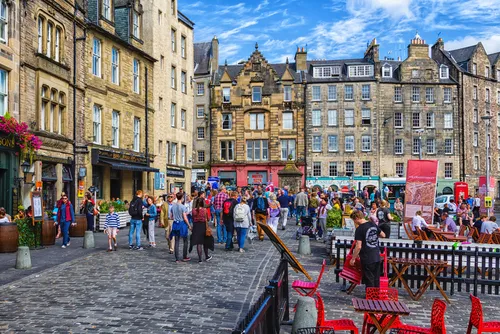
column 483, row 193
column 420, row 192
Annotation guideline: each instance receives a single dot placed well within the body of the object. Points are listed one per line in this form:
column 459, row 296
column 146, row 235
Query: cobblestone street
column 146, row 292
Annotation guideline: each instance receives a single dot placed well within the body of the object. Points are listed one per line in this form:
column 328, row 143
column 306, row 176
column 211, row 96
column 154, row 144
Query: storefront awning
column 128, row 166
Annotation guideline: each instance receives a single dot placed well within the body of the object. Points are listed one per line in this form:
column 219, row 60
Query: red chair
column 476, row 319
column 437, row 321
column 353, row 274
column 308, row 289
column 380, row 294
column 337, row 325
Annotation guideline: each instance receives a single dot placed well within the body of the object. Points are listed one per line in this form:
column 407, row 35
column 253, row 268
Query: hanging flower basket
column 27, row 142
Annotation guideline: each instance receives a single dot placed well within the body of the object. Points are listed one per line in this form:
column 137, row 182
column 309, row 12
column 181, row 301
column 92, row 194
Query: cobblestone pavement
column 146, row 292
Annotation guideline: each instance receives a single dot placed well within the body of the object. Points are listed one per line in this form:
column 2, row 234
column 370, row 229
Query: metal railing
column 469, row 269
column 272, row 307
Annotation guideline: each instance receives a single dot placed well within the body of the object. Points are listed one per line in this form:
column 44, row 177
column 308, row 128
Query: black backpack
column 133, row 209
column 90, row 208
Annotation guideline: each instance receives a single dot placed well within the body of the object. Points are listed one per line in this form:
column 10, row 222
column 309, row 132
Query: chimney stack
column 301, row 59
column 372, row 51
column 417, row 48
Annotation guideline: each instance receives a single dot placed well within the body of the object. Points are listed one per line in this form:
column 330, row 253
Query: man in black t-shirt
column 384, row 218
column 366, row 238
column 228, row 219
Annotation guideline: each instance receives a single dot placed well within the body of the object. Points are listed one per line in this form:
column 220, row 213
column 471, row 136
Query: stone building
column 170, row 41
column 418, row 113
column 342, row 123
column 10, row 38
column 50, row 102
column 119, row 108
column 257, row 120
column 478, row 75
column 206, row 59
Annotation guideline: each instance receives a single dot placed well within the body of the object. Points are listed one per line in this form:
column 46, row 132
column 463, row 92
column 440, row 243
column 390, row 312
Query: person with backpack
column 199, row 236
column 180, row 227
column 259, row 207
column 273, row 212
column 135, row 212
column 384, row 218
column 227, row 218
column 88, row 206
column 242, row 221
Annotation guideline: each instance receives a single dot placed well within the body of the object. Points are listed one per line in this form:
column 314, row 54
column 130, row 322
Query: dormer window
column 360, row 71
column 326, row 71
column 256, row 94
column 444, row 72
column 106, row 9
column 487, row 71
column 136, row 25
column 387, row 71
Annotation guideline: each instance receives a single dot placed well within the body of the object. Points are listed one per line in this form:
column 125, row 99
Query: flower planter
column 9, row 237
column 48, row 232
column 80, row 228
column 124, row 219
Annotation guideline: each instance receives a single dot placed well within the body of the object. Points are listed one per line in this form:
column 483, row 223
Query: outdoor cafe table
column 389, row 310
column 432, row 267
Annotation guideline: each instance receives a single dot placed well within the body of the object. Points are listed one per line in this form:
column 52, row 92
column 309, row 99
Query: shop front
column 118, row 174
column 396, row 187
column 56, row 178
column 445, row 186
column 338, row 183
column 176, row 179
column 9, row 163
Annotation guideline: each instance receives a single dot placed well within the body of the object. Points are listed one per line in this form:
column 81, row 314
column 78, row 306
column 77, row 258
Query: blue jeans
column 65, row 231
column 135, row 226
column 301, row 211
column 221, row 229
column 241, row 233
column 229, row 239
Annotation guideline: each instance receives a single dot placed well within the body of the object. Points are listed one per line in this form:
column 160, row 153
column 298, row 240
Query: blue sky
column 340, row 29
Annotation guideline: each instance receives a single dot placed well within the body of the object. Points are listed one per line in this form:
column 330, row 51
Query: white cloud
column 229, row 33
column 393, row 8
column 262, row 5
column 237, row 9
column 491, row 44
column 227, row 51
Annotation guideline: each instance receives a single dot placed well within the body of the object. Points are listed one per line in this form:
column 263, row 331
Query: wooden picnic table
column 389, row 310
column 432, row 267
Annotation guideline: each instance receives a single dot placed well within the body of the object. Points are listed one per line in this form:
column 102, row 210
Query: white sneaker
column 69, row 243
column 242, row 250
column 63, row 246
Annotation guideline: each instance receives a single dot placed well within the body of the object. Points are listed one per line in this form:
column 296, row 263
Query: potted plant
column 26, row 141
column 119, row 209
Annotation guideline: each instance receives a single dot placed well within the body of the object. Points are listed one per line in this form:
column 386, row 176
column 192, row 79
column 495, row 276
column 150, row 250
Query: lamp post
column 419, row 131
column 487, row 120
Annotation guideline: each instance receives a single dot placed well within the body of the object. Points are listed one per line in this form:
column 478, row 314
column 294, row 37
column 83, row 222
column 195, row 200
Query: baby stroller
column 306, row 228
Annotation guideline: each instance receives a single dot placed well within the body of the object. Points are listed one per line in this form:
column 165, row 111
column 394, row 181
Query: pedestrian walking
column 259, row 207
column 65, row 218
column 135, row 212
column 273, row 213
column 166, row 222
column 227, row 218
column 88, row 207
column 242, row 221
column 284, row 201
column 219, row 200
column 384, row 218
column 199, row 236
column 111, row 227
column 301, row 203
column 151, row 217
column 180, row 227
column 367, row 248
column 145, row 221
column 323, row 210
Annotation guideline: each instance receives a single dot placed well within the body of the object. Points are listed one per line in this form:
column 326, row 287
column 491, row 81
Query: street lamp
column 487, row 120
column 419, row 131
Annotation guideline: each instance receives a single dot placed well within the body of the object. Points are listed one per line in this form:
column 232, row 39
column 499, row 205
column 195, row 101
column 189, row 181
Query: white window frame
column 430, row 120
column 448, row 170
column 183, row 82
column 226, row 95
column 4, row 91
column 475, row 115
column 413, row 119
column 316, row 168
column 136, row 24
column 316, row 117
column 448, row 146
column 183, row 119
column 416, row 145
column 474, row 92
column 333, row 169
column 287, row 120
column 365, row 92
column 476, row 162
column 96, row 57
column 366, row 116
column 487, row 95
column 183, row 46
column 475, row 139
column 50, row 28
column 115, row 66
column 136, row 76
column 398, row 145
column 137, row 134
column 332, row 92
column 183, row 155
column 256, row 94
column 348, row 117
column 333, row 143
column 398, row 94
column 41, row 20
column 398, row 118
column 316, row 93
column 173, row 115
column 106, row 9
column 349, row 143
column 366, row 168
column 57, row 44
column 389, row 68
column 173, row 37
column 333, row 117
column 326, row 71
column 359, row 71
column 366, row 143
column 229, row 147
column 257, row 121
column 115, row 129
column 447, row 95
column 173, row 77
column 229, row 120
column 198, row 108
column 429, row 94
column 349, row 167
column 448, row 124
column 287, row 93
column 96, row 129
column 431, row 145
column 349, row 96
column 257, row 150
column 444, row 72
column 200, row 156
column 200, row 135
column 4, row 22
column 288, row 147
column 487, row 71
column 474, row 68
column 415, row 94
column 173, row 154
column 317, row 143
column 400, row 167
column 200, row 88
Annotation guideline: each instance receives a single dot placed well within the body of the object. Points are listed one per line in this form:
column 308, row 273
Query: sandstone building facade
column 170, row 41
column 206, row 59
column 257, row 121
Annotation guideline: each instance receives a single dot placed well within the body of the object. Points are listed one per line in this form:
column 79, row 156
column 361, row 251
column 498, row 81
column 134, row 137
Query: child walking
column 111, row 228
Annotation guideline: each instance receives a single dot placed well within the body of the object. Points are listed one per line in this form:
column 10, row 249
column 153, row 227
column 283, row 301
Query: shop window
column 4, row 91
column 4, row 23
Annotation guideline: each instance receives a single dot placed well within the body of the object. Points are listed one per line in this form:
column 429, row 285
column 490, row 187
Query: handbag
column 96, row 212
column 208, row 232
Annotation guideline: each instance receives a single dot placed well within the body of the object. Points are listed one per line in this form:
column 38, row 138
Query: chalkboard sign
column 36, row 205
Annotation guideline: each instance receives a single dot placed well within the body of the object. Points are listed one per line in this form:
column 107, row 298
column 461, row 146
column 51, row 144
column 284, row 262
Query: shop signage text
column 7, row 142
column 175, row 172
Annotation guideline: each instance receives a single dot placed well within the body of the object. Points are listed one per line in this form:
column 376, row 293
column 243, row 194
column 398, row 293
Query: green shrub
column 29, row 234
column 334, row 219
column 395, row 217
column 104, row 206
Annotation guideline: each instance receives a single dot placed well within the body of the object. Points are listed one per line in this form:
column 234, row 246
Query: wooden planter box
column 124, row 219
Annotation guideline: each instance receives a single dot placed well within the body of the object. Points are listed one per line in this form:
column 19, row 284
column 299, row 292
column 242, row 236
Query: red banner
column 420, row 191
